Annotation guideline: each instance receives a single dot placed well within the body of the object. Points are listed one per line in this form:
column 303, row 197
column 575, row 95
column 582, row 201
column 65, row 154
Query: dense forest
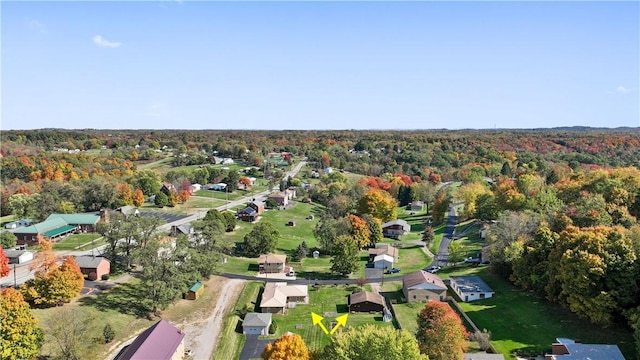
column 561, row 205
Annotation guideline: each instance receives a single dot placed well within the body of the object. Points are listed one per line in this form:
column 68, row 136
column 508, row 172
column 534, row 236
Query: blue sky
column 319, row 65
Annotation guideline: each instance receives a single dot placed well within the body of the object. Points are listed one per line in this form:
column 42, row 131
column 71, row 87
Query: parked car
column 291, row 273
column 393, row 271
column 433, row 269
column 471, row 260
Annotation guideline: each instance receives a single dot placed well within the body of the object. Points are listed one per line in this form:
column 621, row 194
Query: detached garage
column 18, row 256
column 256, row 324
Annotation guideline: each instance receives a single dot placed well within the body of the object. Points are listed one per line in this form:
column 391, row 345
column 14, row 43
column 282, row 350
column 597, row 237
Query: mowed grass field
column 519, row 322
column 77, row 241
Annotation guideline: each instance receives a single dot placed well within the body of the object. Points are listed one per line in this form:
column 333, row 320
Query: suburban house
column 383, row 261
column 218, row 187
column 18, row 223
column 251, row 212
column 272, row 263
column 280, row 198
column 195, row 187
column 256, row 324
column 291, row 192
column 483, row 356
column 383, row 249
column 194, row 291
column 56, row 226
column 423, row 286
column 92, row 266
column 277, row 296
column 416, row 206
column 572, row 349
column 167, row 188
column 395, row 228
column 18, row 256
column 470, row 288
column 366, row 301
column 162, row 341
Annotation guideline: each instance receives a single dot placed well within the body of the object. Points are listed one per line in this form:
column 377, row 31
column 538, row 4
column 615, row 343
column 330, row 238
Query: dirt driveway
column 202, row 334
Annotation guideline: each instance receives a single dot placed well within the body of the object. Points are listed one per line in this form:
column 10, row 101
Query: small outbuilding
column 195, row 291
column 366, row 301
column 316, row 254
column 93, row 267
column 18, row 256
column 256, row 324
column 470, row 288
column 383, row 261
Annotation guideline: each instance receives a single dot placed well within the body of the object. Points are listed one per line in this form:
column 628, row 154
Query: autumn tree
column 372, row 342
column 378, row 203
column 428, row 236
column 138, row 198
column 20, row 336
column 288, row 346
column 441, row 205
column 441, row 334
column 469, row 193
column 55, row 286
column 375, row 229
column 8, row 239
column 4, row 263
column 45, row 259
column 261, row 240
column 360, row 231
column 345, row 255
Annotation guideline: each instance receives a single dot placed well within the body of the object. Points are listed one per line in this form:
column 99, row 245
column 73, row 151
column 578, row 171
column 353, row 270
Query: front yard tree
column 372, row 342
column 379, row 203
column 328, row 229
column 441, row 206
column 345, row 255
column 428, row 236
column 20, row 336
column 161, row 199
column 162, row 279
column 8, row 239
column 288, row 346
column 56, row 285
column 441, row 334
column 261, row 240
column 375, row 229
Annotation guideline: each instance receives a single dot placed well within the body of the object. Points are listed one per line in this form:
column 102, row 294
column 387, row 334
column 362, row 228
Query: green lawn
column 324, row 299
column 523, row 324
column 232, row 340
column 471, row 243
column 156, row 164
column 412, row 258
column 6, row 219
column 77, row 241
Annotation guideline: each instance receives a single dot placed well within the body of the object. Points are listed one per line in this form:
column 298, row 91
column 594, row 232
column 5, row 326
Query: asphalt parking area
column 169, row 218
column 253, row 347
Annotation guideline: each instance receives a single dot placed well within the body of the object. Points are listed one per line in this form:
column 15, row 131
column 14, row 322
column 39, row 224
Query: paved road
column 300, row 281
column 443, row 252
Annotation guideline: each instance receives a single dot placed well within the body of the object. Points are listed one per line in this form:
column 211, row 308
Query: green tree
column 69, row 327
column 428, row 236
column 456, row 253
column 161, row 199
column 261, row 240
column 441, row 206
column 328, row 229
column 23, row 205
column 8, row 239
column 20, row 336
column 372, row 342
column 107, row 333
column 229, row 220
column 487, row 207
column 162, row 280
column 345, row 255
column 375, row 229
column 441, row 334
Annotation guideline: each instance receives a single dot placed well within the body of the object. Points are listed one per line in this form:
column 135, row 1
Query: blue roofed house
column 469, row 288
column 573, row 350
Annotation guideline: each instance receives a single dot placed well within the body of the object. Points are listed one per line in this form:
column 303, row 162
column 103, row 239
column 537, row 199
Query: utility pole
column 15, row 279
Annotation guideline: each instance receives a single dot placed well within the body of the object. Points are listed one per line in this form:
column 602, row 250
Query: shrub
column 108, row 333
column 273, row 328
column 105, row 277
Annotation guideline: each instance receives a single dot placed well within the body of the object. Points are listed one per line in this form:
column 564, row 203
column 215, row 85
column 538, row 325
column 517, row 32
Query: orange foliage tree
column 288, row 346
column 441, row 334
column 360, row 231
column 45, row 259
column 4, row 263
column 138, row 198
column 379, row 204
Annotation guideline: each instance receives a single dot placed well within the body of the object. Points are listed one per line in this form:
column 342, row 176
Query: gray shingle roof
column 471, row 284
column 257, row 319
column 89, row 262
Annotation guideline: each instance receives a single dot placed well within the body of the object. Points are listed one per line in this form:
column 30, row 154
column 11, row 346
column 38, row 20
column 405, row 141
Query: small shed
column 195, row 291
column 316, row 254
column 256, row 324
column 18, row 256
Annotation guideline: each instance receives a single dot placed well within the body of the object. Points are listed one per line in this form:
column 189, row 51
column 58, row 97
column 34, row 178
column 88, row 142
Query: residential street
column 442, row 258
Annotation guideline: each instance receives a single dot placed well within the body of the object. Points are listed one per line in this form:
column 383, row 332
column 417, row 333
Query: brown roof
column 363, row 296
column 272, row 259
column 423, row 280
column 388, row 250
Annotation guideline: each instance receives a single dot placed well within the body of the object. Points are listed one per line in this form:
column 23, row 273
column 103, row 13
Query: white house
column 470, row 288
column 227, row 161
column 218, row 187
column 195, row 187
column 383, row 261
column 256, row 324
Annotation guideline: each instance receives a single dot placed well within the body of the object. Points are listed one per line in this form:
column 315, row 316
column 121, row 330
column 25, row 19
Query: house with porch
column 395, row 228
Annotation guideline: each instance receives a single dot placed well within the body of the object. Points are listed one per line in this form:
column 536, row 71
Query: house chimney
column 104, row 215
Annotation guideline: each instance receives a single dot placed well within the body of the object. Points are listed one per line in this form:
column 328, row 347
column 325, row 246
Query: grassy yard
column 77, row 241
column 523, row 324
column 325, row 299
column 471, row 243
column 6, row 219
column 232, row 340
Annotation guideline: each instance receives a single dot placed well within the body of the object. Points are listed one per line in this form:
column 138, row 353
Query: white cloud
column 38, row 26
column 102, row 42
column 622, row 90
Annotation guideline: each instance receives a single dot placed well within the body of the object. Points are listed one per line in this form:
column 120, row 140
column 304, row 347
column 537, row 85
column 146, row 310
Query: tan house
column 272, row 263
column 383, row 249
column 423, row 286
column 281, row 199
column 277, row 296
column 395, row 228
